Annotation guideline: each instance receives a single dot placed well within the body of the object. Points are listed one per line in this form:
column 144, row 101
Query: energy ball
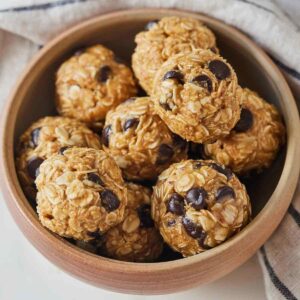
column 139, row 141
column 198, row 204
column 46, row 137
column 90, row 83
column 81, row 193
column 162, row 39
column 196, row 95
column 136, row 238
column 254, row 141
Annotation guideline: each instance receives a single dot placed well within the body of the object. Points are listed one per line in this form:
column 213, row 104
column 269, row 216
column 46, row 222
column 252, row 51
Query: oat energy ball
column 254, row 141
column 136, row 238
column 46, row 137
column 81, row 193
column 90, row 83
column 198, row 204
column 139, row 141
column 196, row 95
column 164, row 38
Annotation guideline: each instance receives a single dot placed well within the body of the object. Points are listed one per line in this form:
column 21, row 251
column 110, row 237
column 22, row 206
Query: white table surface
column 27, row 275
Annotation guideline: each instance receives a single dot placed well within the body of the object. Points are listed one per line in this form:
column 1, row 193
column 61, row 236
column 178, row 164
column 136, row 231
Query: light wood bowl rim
column 280, row 198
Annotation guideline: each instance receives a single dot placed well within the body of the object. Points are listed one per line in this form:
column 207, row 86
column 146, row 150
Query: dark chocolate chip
column 109, row 200
column 225, row 192
column 191, row 228
column 203, row 81
column 144, row 212
column 35, row 134
column 33, row 166
column 174, row 75
column 176, row 204
column 95, row 178
column 245, row 122
column 225, row 171
column 150, row 24
column 103, row 73
column 106, row 132
column 131, row 123
column 196, row 151
column 171, row 223
column 196, row 197
column 63, row 149
column 219, row 69
column 165, row 153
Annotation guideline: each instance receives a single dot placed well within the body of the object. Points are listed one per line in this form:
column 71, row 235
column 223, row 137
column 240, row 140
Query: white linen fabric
column 25, row 25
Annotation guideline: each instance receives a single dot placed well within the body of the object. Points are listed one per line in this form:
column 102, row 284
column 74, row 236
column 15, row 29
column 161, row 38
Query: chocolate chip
column 106, row 132
column 225, row 171
column 245, row 122
column 150, row 24
column 165, row 153
column 203, row 81
column 219, row 69
column 174, row 75
column 191, row 228
column 171, row 223
column 109, row 200
column 178, row 141
column 103, row 73
column 63, row 149
column 95, row 178
column 33, row 166
column 196, row 197
column 35, row 134
column 144, row 212
column 176, row 204
column 224, row 192
column 131, row 123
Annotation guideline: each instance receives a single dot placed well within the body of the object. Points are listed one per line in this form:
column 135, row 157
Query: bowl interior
column 38, row 101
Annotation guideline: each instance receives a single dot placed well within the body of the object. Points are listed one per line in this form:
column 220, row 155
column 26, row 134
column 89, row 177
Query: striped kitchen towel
column 25, row 25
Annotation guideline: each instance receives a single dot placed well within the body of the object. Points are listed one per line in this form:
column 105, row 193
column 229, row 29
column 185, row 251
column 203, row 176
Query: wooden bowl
column 271, row 192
